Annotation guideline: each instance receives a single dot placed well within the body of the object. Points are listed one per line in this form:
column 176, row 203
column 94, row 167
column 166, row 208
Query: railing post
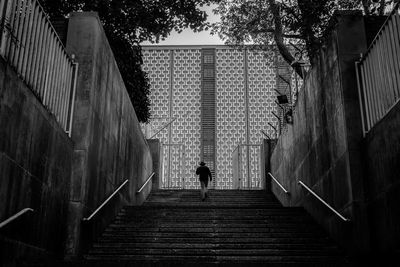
column 71, row 105
column 360, row 96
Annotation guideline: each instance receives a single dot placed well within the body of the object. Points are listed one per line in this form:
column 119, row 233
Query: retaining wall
column 382, row 166
column 35, row 171
column 323, row 146
column 109, row 145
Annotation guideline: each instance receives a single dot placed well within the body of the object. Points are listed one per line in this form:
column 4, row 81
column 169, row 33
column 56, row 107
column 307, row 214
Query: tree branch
column 278, row 37
column 293, row 36
column 365, row 5
column 382, row 8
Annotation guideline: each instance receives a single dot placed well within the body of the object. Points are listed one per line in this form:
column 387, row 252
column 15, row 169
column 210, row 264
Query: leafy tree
column 129, row 22
column 290, row 25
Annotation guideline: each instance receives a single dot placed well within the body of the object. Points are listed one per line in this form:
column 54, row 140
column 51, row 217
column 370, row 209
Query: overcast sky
column 188, row 37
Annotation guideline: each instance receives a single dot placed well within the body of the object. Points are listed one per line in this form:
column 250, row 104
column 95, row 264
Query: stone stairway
column 241, row 228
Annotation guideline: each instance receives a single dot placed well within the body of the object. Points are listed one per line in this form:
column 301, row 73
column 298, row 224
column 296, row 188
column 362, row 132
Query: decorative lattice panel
column 157, row 64
column 230, row 123
column 261, row 82
column 186, row 108
column 175, row 76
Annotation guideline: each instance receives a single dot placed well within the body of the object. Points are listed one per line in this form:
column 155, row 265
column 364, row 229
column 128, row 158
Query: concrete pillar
column 155, row 150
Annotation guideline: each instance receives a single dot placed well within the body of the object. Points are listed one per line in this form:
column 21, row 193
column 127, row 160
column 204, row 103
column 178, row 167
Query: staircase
column 240, row 228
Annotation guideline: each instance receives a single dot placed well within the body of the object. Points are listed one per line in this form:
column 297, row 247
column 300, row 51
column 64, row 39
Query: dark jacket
column 204, row 172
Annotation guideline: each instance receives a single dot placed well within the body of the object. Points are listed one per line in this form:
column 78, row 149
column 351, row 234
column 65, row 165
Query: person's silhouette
column 204, row 172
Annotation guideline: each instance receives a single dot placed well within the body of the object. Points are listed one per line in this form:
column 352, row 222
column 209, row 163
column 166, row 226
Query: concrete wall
column 323, row 146
column 382, row 165
column 35, row 170
column 109, row 145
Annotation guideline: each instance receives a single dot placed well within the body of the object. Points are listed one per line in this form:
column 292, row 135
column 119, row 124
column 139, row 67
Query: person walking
column 204, row 172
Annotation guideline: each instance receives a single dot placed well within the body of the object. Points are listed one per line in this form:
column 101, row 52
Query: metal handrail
column 106, row 201
column 15, row 216
column 276, row 181
column 147, row 181
column 162, row 128
column 326, row 204
column 266, row 135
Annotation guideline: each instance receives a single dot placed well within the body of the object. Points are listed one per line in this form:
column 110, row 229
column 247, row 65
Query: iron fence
column 29, row 43
column 378, row 73
column 246, row 167
column 173, row 166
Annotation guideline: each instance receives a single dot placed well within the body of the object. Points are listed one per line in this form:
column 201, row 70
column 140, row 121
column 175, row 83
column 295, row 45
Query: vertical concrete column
column 155, row 150
column 351, row 42
column 83, row 34
column 267, row 147
column 109, row 146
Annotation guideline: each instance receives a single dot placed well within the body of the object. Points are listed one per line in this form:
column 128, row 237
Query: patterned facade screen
column 175, row 94
column 220, row 98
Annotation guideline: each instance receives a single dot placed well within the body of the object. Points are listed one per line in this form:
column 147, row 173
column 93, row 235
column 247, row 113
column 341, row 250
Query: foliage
column 129, row 22
column 290, row 25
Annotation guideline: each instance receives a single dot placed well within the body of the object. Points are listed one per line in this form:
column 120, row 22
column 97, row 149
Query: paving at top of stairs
column 229, row 228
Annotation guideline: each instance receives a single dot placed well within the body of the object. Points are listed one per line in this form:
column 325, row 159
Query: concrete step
column 168, row 245
column 211, row 206
column 215, row 252
column 224, row 258
column 217, row 207
column 260, row 228
column 118, row 236
column 215, row 240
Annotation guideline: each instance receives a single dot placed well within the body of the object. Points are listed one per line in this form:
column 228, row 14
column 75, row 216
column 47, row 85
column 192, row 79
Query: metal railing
column 106, row 201
column 163, row 127
column 246, row 171
column 324, row 202
column 145, row 183
column 29, row 43
column 278, row 183
column 378, row 73
column 15, row 216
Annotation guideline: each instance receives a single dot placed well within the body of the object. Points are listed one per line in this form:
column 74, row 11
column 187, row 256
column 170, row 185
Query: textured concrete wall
column 109, row 145
column 323, row 146
column 35, row 170
column 382, row 164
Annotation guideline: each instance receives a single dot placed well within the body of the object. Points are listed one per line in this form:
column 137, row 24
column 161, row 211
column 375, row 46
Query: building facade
column 211, row 103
